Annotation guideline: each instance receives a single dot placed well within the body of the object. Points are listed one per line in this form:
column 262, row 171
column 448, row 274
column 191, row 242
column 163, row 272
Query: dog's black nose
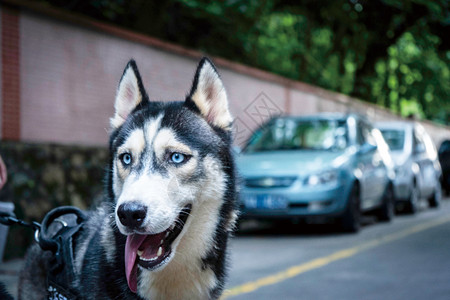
column 132, row 214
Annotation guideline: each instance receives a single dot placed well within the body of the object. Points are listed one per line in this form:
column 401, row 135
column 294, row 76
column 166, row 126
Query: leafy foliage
column 390, row 52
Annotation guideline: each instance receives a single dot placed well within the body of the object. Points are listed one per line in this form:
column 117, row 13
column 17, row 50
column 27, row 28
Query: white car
column 417, row 166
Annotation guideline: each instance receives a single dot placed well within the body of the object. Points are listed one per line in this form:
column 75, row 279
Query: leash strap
column 9, row 219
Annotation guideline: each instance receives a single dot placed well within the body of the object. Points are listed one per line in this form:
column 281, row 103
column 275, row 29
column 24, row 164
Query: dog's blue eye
column 126, row 158
column 177, row 157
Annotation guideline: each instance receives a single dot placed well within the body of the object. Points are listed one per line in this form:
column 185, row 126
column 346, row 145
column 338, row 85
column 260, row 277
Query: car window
column 295, row 134
column 369, row 135
column 382, row 147
column 361, row 134
column 365, row 135
column 418, row 143
column 395, row 138
column 429, row 145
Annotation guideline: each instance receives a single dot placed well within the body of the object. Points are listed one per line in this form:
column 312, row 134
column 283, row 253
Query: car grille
column 269, row 182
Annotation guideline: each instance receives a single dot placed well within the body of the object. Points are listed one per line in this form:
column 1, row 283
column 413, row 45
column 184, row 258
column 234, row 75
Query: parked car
column 330, row 165
column 417, row 167
column 444, row 160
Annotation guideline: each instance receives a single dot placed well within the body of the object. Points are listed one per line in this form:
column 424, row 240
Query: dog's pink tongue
column 132, row 245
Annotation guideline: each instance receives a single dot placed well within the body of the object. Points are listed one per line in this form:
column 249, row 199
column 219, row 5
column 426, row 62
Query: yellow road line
column 323, row 261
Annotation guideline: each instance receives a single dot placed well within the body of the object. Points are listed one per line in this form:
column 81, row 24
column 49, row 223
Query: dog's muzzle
column 150, row 251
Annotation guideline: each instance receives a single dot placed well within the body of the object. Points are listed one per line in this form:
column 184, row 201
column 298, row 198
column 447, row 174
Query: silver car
column 417, row 166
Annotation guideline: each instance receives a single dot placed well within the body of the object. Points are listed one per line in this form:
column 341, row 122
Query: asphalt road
column 408, row 258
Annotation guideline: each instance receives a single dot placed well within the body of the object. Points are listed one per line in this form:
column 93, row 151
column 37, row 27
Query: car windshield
column 394, row 138
column 295, row 134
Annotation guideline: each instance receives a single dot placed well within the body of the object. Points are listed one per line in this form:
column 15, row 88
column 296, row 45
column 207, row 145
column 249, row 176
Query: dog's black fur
column 4, row 295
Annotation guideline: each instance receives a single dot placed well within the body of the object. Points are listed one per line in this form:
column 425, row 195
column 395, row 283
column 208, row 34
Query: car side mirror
column 367, row 148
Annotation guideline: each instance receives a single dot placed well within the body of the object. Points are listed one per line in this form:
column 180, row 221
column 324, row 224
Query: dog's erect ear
column 209, row 96
column 130, row 94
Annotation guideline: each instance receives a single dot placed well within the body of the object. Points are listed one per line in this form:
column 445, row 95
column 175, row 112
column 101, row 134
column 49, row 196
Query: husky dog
column 162, row 232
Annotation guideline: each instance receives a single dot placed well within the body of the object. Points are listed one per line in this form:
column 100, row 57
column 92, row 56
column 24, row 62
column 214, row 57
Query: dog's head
column 168, row 163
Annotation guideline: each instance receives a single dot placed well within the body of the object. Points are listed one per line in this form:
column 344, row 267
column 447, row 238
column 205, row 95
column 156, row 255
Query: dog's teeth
column 162, row 241
column 167, row 234
column 159, row 251
column 140, row 252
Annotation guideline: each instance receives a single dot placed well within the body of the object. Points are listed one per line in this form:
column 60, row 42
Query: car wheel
column 413, row 201
column 386, row 212
column 351, row 219
column 435, row 199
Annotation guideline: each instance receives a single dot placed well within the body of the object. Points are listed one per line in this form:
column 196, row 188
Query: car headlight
column 327, row 177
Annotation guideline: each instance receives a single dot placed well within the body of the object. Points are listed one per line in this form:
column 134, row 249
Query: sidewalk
column 9, row 275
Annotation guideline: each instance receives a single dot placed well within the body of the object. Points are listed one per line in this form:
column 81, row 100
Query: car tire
column 435, row 199
column 386, row 211
column 351, row 219
column 412, row 204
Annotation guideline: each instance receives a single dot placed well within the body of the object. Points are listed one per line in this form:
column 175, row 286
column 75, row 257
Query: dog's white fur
column 127, row 98
column 211, row 98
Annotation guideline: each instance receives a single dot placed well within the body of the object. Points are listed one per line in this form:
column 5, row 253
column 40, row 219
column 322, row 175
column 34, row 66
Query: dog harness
column 62, row 274
column 61, row 278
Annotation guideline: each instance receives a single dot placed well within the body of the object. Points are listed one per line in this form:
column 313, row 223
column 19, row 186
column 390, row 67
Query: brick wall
column 10, row 74
column 1, row 102
column 62, row 71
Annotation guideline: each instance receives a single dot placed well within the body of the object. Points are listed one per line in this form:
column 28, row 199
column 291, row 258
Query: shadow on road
column 288, row 228
column 285, row 229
